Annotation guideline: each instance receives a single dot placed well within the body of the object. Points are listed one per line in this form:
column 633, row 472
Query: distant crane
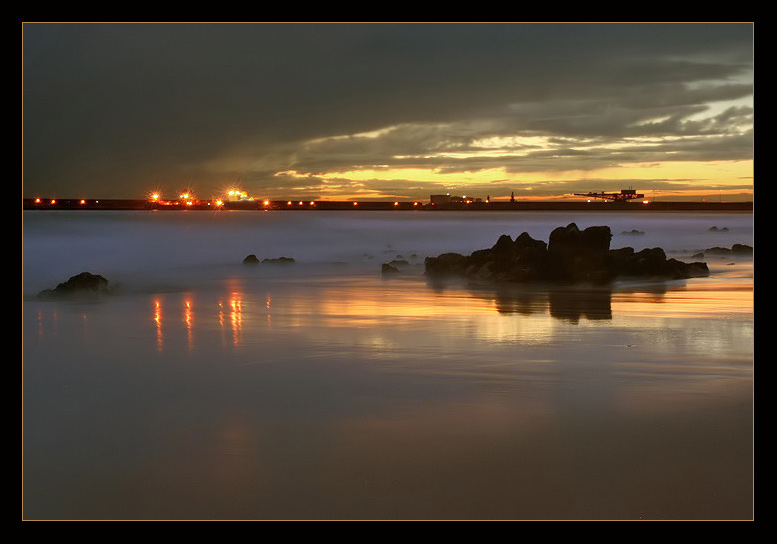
column 624, row 195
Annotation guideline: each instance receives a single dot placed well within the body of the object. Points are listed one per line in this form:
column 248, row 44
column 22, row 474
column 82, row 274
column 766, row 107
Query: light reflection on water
column 352, row 396
column 367, row 308
column 391, row 399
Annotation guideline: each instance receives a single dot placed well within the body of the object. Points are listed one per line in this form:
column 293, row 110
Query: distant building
column 440, row 199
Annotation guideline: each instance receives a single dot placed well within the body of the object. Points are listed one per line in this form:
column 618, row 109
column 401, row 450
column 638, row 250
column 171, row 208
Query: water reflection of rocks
column 567, row 303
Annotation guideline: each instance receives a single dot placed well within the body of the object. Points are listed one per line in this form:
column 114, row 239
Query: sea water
column 204, row 388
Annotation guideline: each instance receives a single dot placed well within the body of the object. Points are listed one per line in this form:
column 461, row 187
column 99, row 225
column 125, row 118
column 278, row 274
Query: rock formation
column 571, row 256
column 81, row 284
column 253, row 259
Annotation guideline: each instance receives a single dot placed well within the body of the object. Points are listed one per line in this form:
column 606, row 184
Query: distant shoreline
column 319, row 205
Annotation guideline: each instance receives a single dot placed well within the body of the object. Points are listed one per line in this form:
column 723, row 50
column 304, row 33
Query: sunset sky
column 388, row 111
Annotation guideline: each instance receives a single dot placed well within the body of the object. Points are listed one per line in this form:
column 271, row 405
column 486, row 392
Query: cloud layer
column 394, row 110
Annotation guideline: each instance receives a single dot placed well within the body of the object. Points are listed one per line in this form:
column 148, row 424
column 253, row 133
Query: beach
column 205, row 388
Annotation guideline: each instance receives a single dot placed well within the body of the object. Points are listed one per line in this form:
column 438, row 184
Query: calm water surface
column 206, row 389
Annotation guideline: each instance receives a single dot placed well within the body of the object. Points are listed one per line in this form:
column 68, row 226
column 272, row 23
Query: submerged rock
column 253, row 259
column 387, row 270
column 81, row 284
column 570, row 256
column 734, row 250
column 742, row 249
column 399, row 262
column 279, row 260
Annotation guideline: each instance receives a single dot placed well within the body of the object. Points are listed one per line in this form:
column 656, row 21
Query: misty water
column 203, row 388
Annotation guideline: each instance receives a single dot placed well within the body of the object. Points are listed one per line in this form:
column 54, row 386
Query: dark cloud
column 113, row 109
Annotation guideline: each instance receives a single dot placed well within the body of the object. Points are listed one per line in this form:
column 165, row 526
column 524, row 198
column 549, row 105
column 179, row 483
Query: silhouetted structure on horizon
column 625, row 194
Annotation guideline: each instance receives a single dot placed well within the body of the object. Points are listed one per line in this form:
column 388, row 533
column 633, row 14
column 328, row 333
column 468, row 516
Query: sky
column 398, row 111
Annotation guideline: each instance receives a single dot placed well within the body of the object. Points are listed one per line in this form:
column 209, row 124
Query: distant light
column 266, row 202
column 37, row 200
column 645, row 201
column 355, row 203
column 155, row 196
column 219, row 203
column 83, row 201
column 396, row 203
column 52, row 201
column 288, row 203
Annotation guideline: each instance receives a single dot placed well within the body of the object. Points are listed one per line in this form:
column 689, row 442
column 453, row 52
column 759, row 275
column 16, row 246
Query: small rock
column 387, row 270
column 84, row 283
column 742, row 249
column 279, row 260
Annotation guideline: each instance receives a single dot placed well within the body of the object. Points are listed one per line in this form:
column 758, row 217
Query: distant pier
column 322, row 205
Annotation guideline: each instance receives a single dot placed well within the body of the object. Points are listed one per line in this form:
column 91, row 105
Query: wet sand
column 365, row 398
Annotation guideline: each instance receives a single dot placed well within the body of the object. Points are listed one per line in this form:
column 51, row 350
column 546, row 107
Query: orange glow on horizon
column 733, row 178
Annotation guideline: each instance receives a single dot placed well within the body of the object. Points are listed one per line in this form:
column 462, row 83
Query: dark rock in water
column 447, row 264
column 595, row 239
column 570, row 256
column 632, row 232
column 722, row 229
column 84, row 283
column 398, row 262
column 253, row 259
column 736, row 249
column 742, row 249
column 387, row 270
column 718, row 250
column 579, row 256
column 652, row 263
column 279, row 260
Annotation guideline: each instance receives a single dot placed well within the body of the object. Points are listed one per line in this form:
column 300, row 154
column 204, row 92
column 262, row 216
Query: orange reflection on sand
column 230, row 316
column 188, row 319
column 366, row 305
column 722, row 299
column 47, row 324
column 236, row 317
column 157, row 317
column 417, row 310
